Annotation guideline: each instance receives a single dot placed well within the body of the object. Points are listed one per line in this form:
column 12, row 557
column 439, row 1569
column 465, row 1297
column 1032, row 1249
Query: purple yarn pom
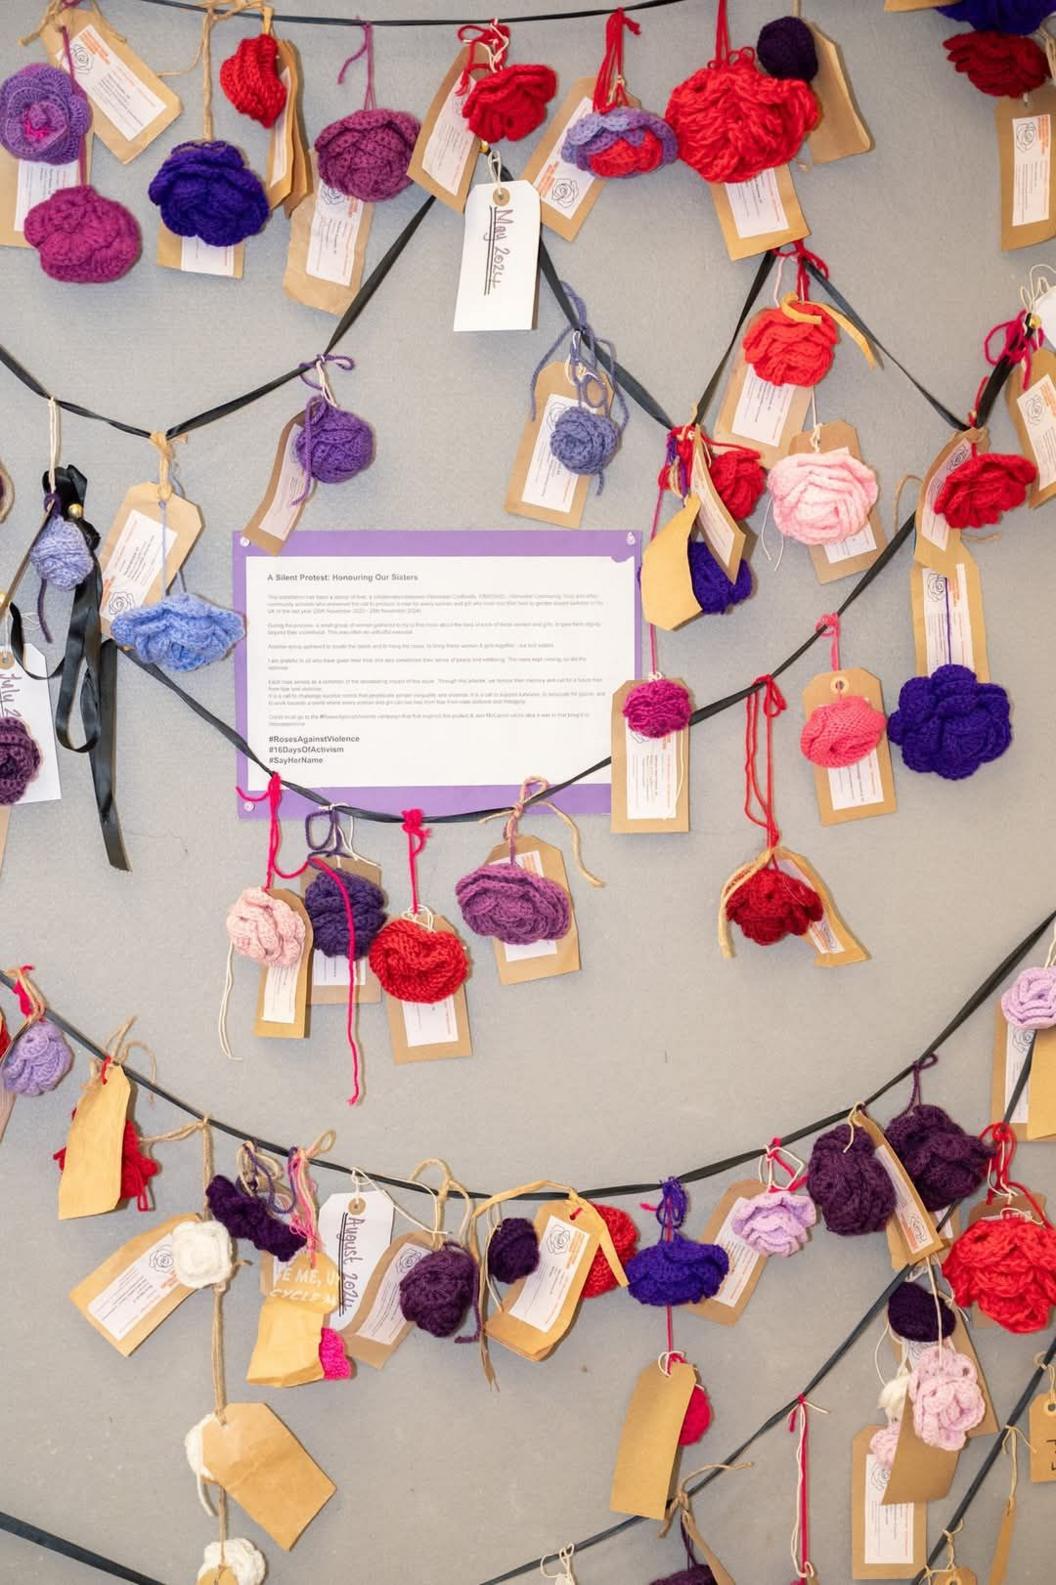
column 912, row 1314
column 333, row 444
column 43, row 115
column 676, row 1271
column 945, row 1162
column 514, row 1250
column 207, row 190
column 950, row 723
column 366, row 155
column 584, row 441
column 436, row 1293
column 596, row 133
column 1000, row 16
column 60, row 554
column 848, row 1184
column 246, row 1216
column 712, row 590
column 37, row 1060
column 695, row 1574
column 20, row 759
column 786, row 48
column 329, row 920
column 181, row 632
column 513, row 904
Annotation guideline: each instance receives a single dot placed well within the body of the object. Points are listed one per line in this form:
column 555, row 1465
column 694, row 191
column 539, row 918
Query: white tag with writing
column 654, row 775
column 37, row 181
column 500, row 257
column 386, row 1319
column 201, row 258
column 126, row 1301
column 756, row 205
column 561, row 1250
column 336, row 220
column 762, row 409
column 356, row 1230
column 947, row 619
column 134, row 564
column 1037, row 407
column 430, row 1023
column 1032, row 149
column 112, row 86
column 28, row 698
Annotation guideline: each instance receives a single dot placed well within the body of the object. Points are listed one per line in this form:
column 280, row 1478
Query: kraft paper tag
column 566, row 194
column 446, row 150
column 281, row 163
column 1012, row 1047
column 919, row 1474
column 722, row 1575
column 196, row 257
column 378, row 1327
column 667, row 588
column 650, row 775
column 724, row 536
column 1024, row 146
column 852, row 556
column 262, row 1466
column 500, row 258
column 954, row 1576
column 218, row 1576
column 746, row 1263
column 131, row 106
column 648, row 1448
column 1041, row 1088
column 541, row 960
column 1033, row 412
column 312, row 1281
column 887, row 1542
column 330, row 975
column 24, row 693
column 900, row 1256
column 948, row 621
column 538, row 1310
column 759, row 215
column 328, row 247
column 866, row 788
column 540, row 487
column 426, row 1031
column 834, row 945
column 130, row 559
column 355, row 1230
column 937, row 543
column 91, row 1177
column 999, row 1562
column 283, row 994
column 280, row 510
column 304, row 1292
column 135, row 1289
column 1041, row 1433
column 841, row 132
column 914, row 1220
column 755, row 413
column 26, row 183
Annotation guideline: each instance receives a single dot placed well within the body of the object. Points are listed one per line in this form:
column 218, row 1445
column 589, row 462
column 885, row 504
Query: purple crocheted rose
column 950, row 722
column 20, row 758
column 1030, row 1003
column 180, row 632
column 945, row 1162
column 620, row 142
column 947, row 1399
column 43, row 115
column 1000, row 16
column 37, row 1061
column 326, row 910
column 207, row 190
column 366, row 154
column 775, row 1222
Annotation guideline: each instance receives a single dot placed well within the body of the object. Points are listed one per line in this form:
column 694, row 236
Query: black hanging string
column 429, row 22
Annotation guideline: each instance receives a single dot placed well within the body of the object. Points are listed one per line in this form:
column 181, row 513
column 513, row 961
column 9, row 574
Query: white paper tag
column 947, row 619
column 135, row 563
column 743, row 1259
column 534, row 949
column 1032, row 149
column 29, row 699
column 912, row 1223
column 280, row 994
column 756, row 206
column 888, row 1529
column 548, row 482
column 653, row 767
column 932, row 526
column 131, row 1296
column 820, row 933
column 278, row 153
column 282, row 514
column 386, row 1320
column 37, row 181
column 430, row 1023
column 500, row 257
column 561, row 1250
column 1017, row 1048
column 201, row 258
column 332, row 973
column 762, row 409
column 860, row 544
column 451, row 144
column 1037, row 408
column 355, row 1242
column 115, row 90
column 1045, row 310
column 332, row 237
column 855, row 786
column 565, row 186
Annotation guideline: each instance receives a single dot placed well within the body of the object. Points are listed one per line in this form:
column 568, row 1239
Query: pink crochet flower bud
column 946, row 1397
column 884, row 1443
column 1030, row 1003
column 775, row 1222
column 265, row 928
column 821, row 497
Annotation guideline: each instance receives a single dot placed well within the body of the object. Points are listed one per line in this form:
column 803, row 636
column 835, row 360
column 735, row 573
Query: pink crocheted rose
column 947, row 1399
column 884, row 1443
column 821, row 497
column 1030, row 1003
column 775, row 1222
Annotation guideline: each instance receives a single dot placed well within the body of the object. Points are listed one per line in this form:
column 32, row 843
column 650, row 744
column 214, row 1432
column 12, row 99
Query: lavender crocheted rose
column 207, row 190
column 950, row 722
column 775, row 1222
column 947, row 1399
column 43, row 115
column 181, row 632
column 1030, row 1003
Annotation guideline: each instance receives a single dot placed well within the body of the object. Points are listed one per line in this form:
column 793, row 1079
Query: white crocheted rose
column 240, row 1558
column 202, row 1254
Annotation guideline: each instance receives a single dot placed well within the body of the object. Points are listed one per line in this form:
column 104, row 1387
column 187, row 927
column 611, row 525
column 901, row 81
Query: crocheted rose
column 787, row 351
column 335, row 1362
column 1007, row 1265
column 265, row 928
column 848, row 1184
column 513, row 905
column 842, row 732
column 416, row 964
column 37, row 1060
column 82, row 237
column 657, row 707
column 366, row 155
column 620, row 142
column 998, row 63
column 207, row 190
column 775, row 1222
column 624, row 1235
column 893, row 1394
column 60, row 553
column 326, row 910
column 1030, row 1001
column 945, row 1162
column 677, row 1270
column 739, row 478
column 43, row 115
column 509, row 103
column 946, row 1397
column 1003, row 16
column 180, row 632
column 884, row 1443
column 732, row 122
column 20, row 758
column 772, row 904
column 821, row 497
column 250, row 79
column 983, row 488
column 950, row 723
column 202, row 1255
column 713, row 591
column 239, row 1556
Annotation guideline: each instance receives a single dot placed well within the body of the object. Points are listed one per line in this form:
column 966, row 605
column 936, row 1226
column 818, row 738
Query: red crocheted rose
column 251, row 80
column 732, row 121
column 1002, row 64
column 137, row 1169
column 771, row 904
column 416, row 964
column 984, row 487
column 786, row 351
column 1007, row 1266
column 624, row 1235
column 509, row 103
column 739, row 479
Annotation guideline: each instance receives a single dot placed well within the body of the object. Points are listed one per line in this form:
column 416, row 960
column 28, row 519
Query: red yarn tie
column 801, row 1535
column 829, row 626
column 803, row 257
column 610, row 89
column 765, row 697
column 492, row 39
column 417, row 837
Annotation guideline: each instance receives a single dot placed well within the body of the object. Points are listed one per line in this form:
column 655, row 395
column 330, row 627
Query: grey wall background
column 659, row 1055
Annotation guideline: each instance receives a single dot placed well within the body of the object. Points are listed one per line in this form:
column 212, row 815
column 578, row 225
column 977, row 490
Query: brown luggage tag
column 841, row 132
column 135, row 1288
column 301, row 1292
column 446, row 151
column 887, row 1542
column 760, row 214
column 650, row 775
column 645, row 1462
column 1033, row 412
column 262, row 1466
column 91, row 1175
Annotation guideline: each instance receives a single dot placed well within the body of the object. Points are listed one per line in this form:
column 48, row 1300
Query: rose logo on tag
column 161, row 1258
column 564, row 194
column 1026, row 134
column 935, row 586
column 558, row 1239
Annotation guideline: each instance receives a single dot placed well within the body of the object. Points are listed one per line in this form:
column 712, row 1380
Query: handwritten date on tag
column 500, row 255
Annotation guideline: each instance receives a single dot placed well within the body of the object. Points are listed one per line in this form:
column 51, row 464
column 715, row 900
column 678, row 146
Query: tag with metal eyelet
column 500, row 255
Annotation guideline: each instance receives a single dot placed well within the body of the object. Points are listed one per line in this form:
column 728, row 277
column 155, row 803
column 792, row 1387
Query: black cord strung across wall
column 425, row 22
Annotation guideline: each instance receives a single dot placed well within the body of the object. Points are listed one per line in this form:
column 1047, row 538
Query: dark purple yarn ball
column 245, row 1216
column 207, row 190
column 436, row 1293
column 848, row 1185
column 786, row 48
column 514, row 1250
column 695, row 1574
column 676, row 1271
column 329, row 920
column 712, row 590
column 945, row 1162
column 912, row 1314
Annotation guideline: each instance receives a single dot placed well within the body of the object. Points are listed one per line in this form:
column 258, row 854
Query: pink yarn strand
column 829, row 625
column 367, row 49
column 304, row 1219
column 417, row 837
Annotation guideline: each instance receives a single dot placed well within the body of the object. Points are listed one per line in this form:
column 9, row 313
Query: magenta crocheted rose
column 947, row 1399
column 775, row 1222
column 884, row 1443
column 1030, row 1003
